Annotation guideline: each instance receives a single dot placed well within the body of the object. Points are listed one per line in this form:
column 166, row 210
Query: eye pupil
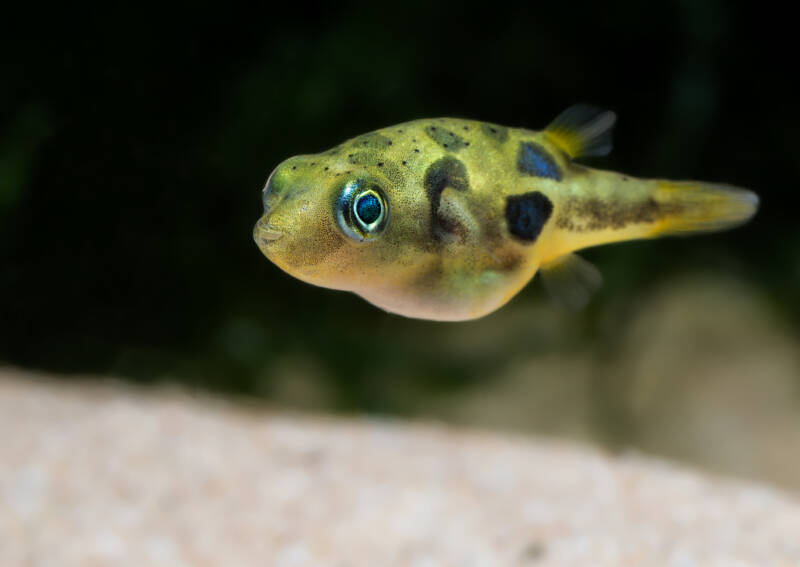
column 368, row 208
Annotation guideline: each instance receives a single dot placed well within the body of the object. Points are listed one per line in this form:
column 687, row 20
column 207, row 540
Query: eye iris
column 368, row 208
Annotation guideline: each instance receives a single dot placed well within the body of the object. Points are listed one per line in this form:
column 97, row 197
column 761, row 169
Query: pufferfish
column 448, row 219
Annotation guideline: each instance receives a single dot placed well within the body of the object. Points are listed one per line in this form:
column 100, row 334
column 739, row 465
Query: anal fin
column 571, row 281
column 582, row 130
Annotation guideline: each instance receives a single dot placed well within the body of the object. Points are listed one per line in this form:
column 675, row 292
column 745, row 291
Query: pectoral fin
column 571, row 281
column 582, row 130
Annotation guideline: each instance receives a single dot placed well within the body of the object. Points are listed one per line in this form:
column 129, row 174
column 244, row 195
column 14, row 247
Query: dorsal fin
column 582, row 130
column 570, row 280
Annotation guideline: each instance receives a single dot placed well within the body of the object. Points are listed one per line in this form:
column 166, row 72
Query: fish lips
column 265, row 234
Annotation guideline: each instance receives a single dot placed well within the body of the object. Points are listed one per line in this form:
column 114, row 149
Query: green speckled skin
column 447, row 252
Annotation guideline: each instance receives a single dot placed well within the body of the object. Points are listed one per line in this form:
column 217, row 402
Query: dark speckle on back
column 372, row 141
column 497, row 133
column 447, row 139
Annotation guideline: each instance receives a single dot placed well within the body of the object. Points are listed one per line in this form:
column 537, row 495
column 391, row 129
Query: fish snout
column 264, row 233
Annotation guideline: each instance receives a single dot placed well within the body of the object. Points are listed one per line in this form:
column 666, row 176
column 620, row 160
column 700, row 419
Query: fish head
column 338, row 224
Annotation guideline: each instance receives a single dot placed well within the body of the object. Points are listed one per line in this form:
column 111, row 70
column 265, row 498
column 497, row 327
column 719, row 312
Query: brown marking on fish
column 584, row 215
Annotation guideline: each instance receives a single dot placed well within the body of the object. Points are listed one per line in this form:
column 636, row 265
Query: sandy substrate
column 105, row 475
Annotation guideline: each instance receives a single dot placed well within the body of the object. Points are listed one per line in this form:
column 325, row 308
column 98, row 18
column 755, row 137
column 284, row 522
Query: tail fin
column 619, row 208
column 691, row 207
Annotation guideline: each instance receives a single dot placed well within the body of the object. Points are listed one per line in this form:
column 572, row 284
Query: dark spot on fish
column 405, row 163
column 294, row 167
column 583, row 215
column 533, row 159
column 367, row 157
column 497, row 133
column 326, row 168
column 416, row 150
column 441, row 174
column 372, row 140
column 445, row 138
column 390, row 169
column 389, row 143
column 527, row 214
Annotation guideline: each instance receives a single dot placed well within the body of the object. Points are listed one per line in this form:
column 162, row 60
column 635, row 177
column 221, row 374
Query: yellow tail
column 688, row 207
column 609, row 207
column 616, row 208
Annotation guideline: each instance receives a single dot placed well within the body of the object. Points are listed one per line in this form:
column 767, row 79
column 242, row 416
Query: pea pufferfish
column 447, row 219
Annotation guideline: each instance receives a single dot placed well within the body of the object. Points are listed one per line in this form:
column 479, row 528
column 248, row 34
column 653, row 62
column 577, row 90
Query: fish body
column 447, row 219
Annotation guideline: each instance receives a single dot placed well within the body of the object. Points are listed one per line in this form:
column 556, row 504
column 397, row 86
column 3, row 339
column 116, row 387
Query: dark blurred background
column 134, row 145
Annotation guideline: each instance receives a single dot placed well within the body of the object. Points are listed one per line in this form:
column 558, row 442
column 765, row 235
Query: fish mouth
column 264, row 233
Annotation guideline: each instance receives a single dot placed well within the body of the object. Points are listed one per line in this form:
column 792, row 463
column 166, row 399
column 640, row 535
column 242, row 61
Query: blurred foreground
column 96, row 475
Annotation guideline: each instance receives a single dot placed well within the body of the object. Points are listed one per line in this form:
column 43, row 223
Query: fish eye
column 362, row 210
